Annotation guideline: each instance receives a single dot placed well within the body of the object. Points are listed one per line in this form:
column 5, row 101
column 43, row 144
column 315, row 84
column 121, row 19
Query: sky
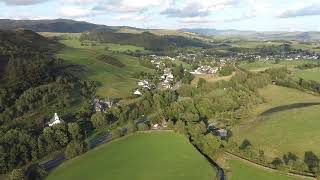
column 257, row 15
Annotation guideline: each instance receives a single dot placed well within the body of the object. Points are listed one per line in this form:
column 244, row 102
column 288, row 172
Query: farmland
column 112, row 80
column 293, row 130
column 243, row 171
column 134, row 157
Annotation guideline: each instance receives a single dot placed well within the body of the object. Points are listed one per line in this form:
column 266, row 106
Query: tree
column 312, row 161
column 116, row 133
column 74, row 149
column 74, row 130
column 245, row 144
column 131, row 127
column 277, row 162
column 201, row 82
column 17, row 174
column 142, row 127
column 180, row 127
column 99, row 120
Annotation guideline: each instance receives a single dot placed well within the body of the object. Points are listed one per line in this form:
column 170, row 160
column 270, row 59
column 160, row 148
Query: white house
column 55, row 120
column 137, row 92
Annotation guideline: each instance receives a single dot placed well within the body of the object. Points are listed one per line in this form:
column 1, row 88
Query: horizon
column 241, row 15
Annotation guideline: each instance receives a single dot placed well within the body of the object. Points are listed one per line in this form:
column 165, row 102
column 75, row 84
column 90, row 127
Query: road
column 59, row 159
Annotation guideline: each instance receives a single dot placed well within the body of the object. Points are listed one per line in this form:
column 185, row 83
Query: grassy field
column 244, row 171
column 309, row 74
column 262, row 65
column 113, row 81
column 210, row 78
column 143, row 156
column 294, row 130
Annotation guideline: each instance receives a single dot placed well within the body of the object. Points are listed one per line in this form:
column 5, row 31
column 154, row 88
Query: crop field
column 143, row 156
column 291, row 129
column 244, row 171
column 113, row 81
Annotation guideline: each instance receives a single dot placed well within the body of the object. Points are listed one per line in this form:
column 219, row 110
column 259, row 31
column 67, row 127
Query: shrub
column 74, row 149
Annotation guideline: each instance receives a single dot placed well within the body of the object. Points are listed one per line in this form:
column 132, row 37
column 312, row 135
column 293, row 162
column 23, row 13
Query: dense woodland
column 147, row 40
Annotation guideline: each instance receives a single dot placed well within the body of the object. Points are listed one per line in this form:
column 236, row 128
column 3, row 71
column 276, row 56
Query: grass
column 243, row 171
column 210, row 78
column 143, row 156
column 113, row 81
column 263, row 65
column 309, row 74
column 294, row 130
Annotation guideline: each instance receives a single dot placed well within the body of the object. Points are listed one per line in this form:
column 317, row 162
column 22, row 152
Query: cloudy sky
column 260, row 15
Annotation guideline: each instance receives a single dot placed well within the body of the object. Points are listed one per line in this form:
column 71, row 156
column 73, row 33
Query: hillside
column 146, row 39
column 23, row 43
column 267, row 35
column 57, row 25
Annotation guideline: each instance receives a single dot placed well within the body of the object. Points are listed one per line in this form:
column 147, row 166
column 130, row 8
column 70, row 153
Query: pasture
column 263, row 65
column 308, row 74
column 292, row 130
column 112, row 80
column 142, row 156
column 244, row 171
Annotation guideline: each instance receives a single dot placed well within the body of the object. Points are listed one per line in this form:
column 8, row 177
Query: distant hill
column 57, row 25
column 147, row 40
column 268, row 35
column 23, row 43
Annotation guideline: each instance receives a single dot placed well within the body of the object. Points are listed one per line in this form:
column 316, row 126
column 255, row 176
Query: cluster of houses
column 100, row 105
column 167, row 79
column 206, row 69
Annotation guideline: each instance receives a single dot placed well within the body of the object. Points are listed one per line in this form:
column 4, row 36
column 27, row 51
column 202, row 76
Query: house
column 55, row 120
column 223, row 133
column 101, row 106
column 137, row 92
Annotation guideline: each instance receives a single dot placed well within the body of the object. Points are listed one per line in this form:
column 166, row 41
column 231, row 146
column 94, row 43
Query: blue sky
column 259, row 15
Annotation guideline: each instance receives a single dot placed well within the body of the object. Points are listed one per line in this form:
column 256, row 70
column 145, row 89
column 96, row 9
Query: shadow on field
column 288, row 107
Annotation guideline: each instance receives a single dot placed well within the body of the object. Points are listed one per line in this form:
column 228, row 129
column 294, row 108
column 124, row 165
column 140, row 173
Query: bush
column 74, row 149
column 143, row 127
column 17, row 174
column 116, row 133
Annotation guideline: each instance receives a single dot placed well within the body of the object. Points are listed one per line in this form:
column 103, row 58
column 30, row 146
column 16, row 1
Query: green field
column 262, row 65
column 143, row 156
column 294, row 130
column 244, row 171
column 309, row 74
column 113, row 81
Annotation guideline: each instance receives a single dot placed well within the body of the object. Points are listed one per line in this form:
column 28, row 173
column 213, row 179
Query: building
column 55, row 120
column 223, row 133
column 137, row 92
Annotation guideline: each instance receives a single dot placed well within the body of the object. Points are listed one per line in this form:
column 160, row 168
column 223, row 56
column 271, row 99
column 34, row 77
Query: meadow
column 112, row 80
column 243, row 171
column 143, row 156
column 293, row 130
column 263, row 65
column 308, row 74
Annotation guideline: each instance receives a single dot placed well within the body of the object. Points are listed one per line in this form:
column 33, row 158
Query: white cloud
column 22, row 2
column 131, row 6
column 80, row 1
column 75, row 11
column 132, row 17
column 301, row 10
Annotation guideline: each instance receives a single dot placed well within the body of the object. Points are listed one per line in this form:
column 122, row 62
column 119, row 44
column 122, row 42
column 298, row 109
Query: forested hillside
column 58, row 25
column 147, row 40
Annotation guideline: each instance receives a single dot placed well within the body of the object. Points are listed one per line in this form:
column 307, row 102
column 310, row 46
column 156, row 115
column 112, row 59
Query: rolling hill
column 267, row 35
